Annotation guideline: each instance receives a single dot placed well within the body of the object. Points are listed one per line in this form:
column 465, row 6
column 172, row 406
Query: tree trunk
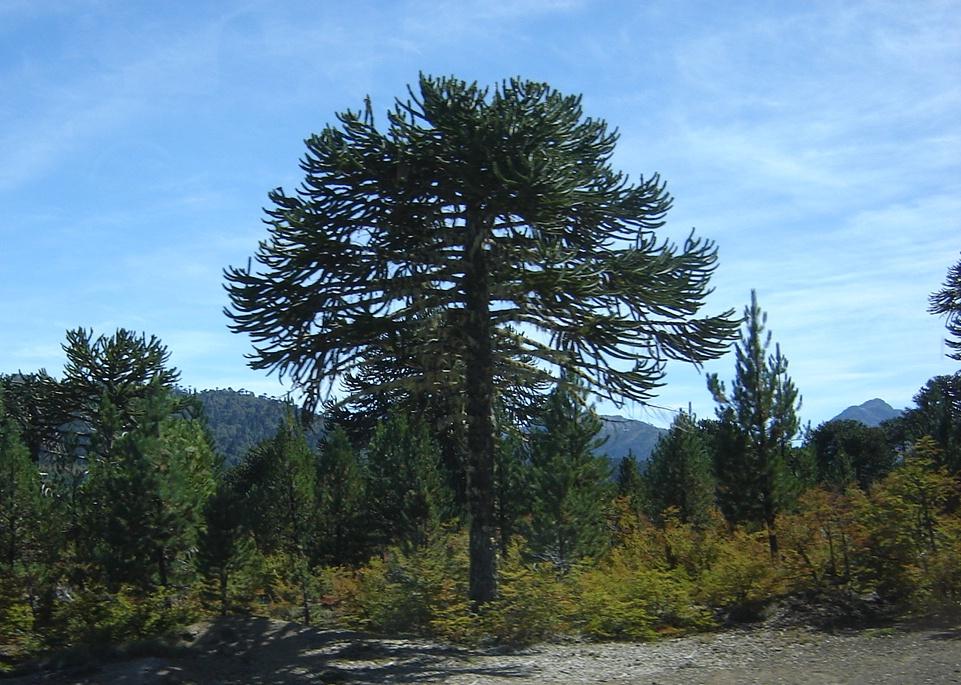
column 223, row 578
column 480, row 415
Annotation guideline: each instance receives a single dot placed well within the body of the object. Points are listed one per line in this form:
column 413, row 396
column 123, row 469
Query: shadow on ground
column 259, row 651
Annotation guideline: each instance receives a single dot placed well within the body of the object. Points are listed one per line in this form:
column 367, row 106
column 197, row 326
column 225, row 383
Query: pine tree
column 570, row 483
column 20, row 541
column 341, row 499
column 278, row 482
column 850, row 453
column 630, row 484
column 759, row 420
column 224, row 548
column 37, row 403
column 20, row 497
column 937, row 414
column 144, row 498
column 109, row 381
column 512, row 487
column 498, row 208
column 406, row 496
column 680, row 474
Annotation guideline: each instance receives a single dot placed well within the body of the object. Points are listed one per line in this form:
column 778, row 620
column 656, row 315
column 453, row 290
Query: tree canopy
column 498, row 207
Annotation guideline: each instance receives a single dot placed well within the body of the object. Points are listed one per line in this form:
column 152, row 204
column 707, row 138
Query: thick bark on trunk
column 480, row 410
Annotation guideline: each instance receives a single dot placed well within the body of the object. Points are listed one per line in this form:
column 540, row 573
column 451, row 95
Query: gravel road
column 260, row 651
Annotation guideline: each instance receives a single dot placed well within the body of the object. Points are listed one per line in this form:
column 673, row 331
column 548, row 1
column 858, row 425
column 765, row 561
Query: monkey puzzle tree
column 947, row 302
column 108, row 381
column 499, row 208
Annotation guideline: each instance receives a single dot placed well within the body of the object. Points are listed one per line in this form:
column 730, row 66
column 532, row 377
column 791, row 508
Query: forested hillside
column 238, row 419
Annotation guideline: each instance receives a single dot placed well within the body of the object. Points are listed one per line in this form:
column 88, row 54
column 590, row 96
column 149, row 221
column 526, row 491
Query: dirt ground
column 261, row 651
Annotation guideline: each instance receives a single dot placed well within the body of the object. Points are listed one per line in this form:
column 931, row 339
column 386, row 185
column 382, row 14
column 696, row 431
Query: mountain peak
column 870, row 413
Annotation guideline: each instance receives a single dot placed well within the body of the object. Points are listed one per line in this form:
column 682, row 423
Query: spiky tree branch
column 499, row 208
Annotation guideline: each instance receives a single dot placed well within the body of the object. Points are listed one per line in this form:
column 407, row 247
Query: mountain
column 871, row 413
column 238, row 420
column 628, row 435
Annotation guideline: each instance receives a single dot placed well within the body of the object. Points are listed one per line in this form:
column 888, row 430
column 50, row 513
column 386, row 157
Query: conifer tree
column 278, row 480
column 629, row 483
column 512, row 487
column 108, row 381
column 759, row 419
column 680, row 474
column 20, row 497
column 37, row 403
column 850, row 453
column 144, row 498
column 937, row 414
column 224, row 547
column 341, row 500
column 499, row 208
column 405, row 492
column 570, row 483
column 947, row 303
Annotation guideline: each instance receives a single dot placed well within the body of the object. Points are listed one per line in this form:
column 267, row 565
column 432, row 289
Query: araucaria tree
column 759, row 417
column 498, row 207
column 947, row 302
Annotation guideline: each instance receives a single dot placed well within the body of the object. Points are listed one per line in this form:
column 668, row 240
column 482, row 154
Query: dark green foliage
column 630, row 484
column 937, row 414
column 144, row 499
column 759, row 421
column 848, row 452
column 732, row 468
column 38, row 405
column 406, row 495
column 628, row 477
column 570, row 485
column 224, row 548
column 680, row 475
column 238, row 420
column 20, row 498
column 947, row 303
column 279, row 485
column 341, row 501
column 108, row 380
column 497, row 208
column 278, row 482
column 512, row 486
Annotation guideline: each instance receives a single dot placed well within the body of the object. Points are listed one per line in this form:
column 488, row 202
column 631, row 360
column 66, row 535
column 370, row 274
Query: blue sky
column 818, row 143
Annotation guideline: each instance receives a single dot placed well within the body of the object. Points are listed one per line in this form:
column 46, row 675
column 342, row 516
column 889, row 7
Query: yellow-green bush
column 633, row 593
column 532, row 603
column 422, row 590
column 16, row 618
column 742, row 575
column 910, row 534
column 95, row 617
column 819, row 538
column 275, row 586
column 941, row 578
